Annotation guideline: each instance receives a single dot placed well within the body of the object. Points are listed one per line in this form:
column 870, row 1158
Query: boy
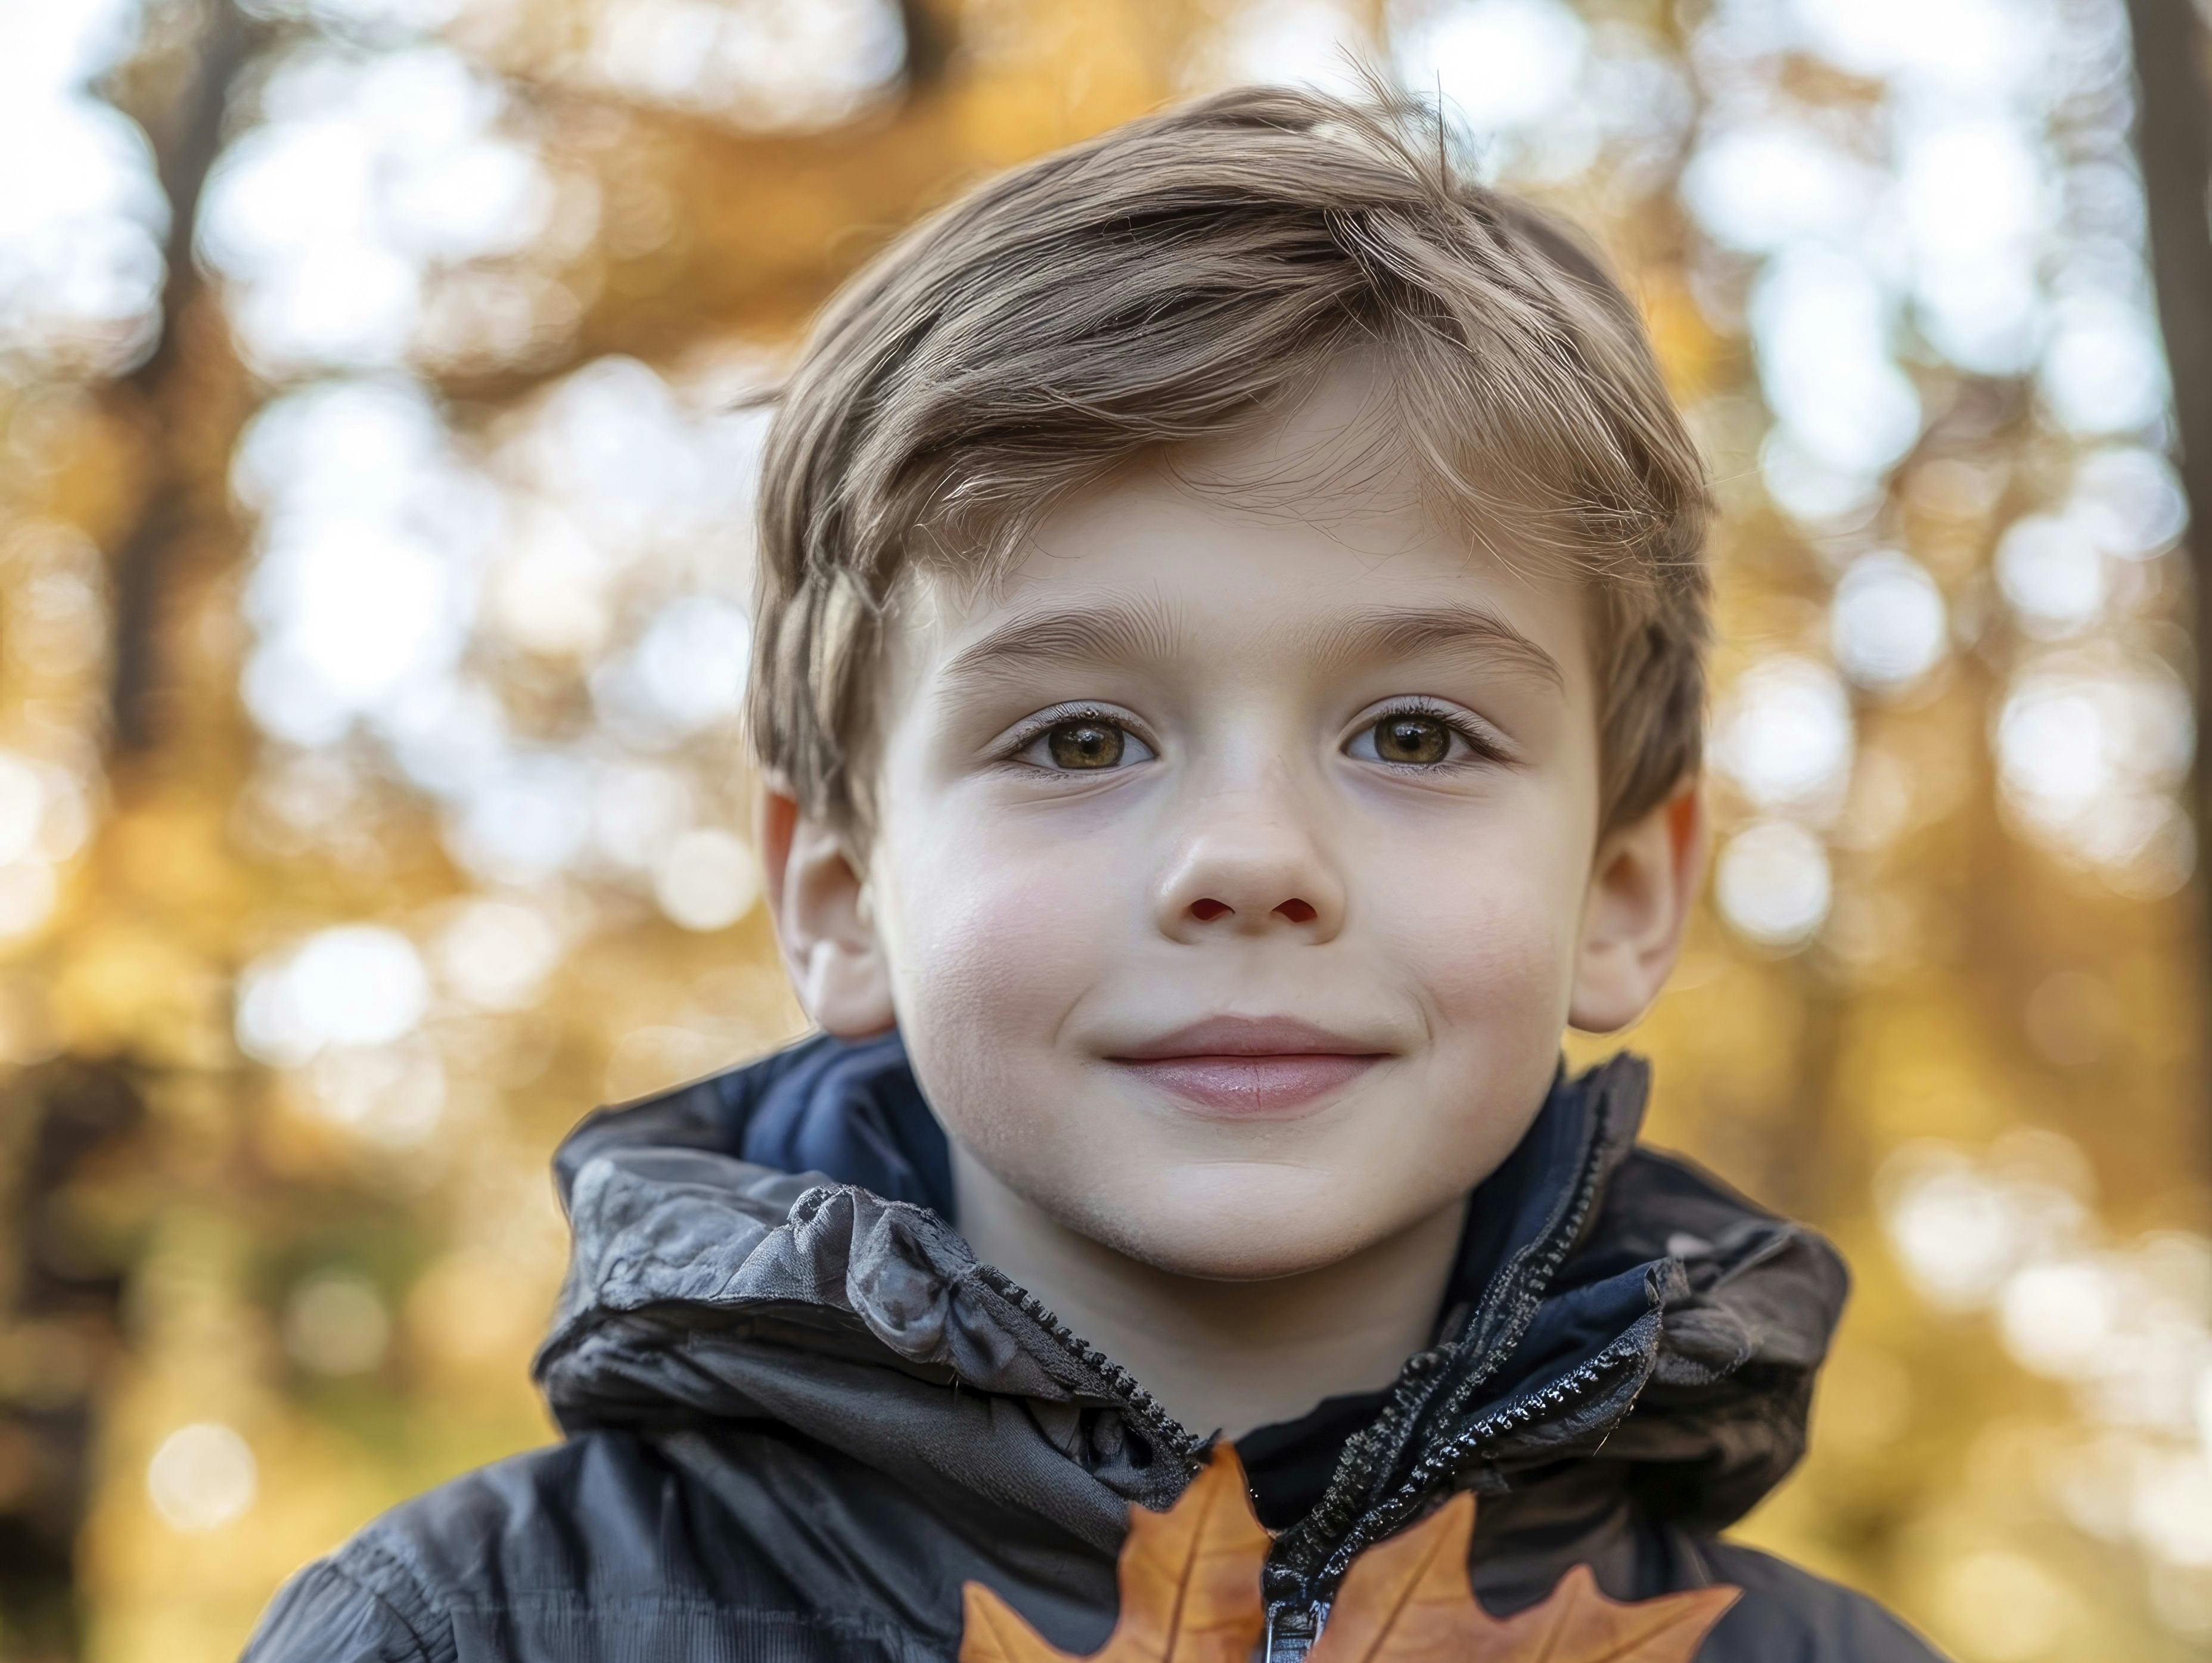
column 1230, row 679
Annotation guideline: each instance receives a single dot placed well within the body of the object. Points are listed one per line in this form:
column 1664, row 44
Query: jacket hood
column 775, row 1244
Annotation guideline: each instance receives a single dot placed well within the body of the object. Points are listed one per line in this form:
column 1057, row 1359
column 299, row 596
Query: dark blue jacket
column 800, row 1414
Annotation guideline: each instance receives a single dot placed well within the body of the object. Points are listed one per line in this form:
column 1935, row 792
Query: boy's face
column 1235, row 863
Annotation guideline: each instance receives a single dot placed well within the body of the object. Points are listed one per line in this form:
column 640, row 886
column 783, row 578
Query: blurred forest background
column 373, row 566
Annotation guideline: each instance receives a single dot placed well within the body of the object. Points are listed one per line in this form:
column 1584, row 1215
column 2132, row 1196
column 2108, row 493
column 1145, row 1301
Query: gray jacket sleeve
column 1790, row 1616
column 354, row 1607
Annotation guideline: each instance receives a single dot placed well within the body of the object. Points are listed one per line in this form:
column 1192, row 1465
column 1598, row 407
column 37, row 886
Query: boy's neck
column 1225, row 1356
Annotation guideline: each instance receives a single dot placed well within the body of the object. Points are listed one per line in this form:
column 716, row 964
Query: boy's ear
column 820, row 904
column 1643, row 883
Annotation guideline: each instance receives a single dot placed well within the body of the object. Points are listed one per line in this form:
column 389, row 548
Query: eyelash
column 1480, row 741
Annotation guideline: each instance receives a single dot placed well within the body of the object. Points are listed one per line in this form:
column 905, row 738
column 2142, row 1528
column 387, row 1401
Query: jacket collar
column 852, row 1113
column 787, row 1229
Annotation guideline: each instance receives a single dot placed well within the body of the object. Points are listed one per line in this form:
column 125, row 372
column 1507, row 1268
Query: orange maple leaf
column 1190, row 1584
column 1190, row 1592
column 1408, row 1600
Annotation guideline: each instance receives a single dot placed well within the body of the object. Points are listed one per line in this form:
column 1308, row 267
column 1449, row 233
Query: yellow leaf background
column 274, row 1262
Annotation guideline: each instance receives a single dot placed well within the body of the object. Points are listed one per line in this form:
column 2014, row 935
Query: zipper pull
column 1292, row 1632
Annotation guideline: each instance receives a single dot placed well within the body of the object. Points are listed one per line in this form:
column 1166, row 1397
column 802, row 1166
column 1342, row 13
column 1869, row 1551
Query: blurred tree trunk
column 61, row 1326
column 185, row 146
column 2173, row 142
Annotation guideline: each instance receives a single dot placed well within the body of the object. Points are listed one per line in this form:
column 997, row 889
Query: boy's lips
column 1245, row 1066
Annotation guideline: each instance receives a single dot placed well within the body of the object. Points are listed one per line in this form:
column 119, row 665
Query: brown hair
column 1168, row 282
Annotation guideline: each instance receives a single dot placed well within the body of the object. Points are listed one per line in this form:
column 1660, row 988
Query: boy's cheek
column 1487, row 932
column 1488, row 968
column 992, row 924
column 990, row 949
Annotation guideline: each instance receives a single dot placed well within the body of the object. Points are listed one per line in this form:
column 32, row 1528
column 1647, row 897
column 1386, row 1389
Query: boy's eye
column 1416, row 740
column 1085, row 745
column 1420, row 739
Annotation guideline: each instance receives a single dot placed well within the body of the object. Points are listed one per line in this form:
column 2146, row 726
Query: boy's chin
column 1231, row 1231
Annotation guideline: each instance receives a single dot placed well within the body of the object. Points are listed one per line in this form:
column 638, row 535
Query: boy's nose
column 1249, row 879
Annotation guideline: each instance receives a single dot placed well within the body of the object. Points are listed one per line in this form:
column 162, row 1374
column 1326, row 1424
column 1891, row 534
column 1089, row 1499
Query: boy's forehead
column 1313, row 610
column 1307, row 530
column 1148, row 572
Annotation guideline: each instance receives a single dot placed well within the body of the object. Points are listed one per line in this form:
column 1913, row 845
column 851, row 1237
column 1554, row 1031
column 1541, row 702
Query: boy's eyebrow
column 1408, row 632
column 1121, row 631
column 1102, row 633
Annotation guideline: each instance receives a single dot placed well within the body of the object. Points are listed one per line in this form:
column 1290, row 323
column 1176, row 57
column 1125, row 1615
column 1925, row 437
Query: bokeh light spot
column 202, row 1478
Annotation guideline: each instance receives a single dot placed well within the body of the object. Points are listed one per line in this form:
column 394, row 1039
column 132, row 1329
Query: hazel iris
column 1412, row 739
column 1084, row 745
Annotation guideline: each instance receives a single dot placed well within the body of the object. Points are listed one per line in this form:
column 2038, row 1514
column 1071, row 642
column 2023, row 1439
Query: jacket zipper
column 1293, row 1625
column 1162, row 1429
column 1440, row 1466
column 1291, row 1633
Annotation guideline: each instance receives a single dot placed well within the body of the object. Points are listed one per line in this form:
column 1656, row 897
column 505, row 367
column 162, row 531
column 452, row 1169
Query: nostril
column 1207, row 910
column 1298, row 911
